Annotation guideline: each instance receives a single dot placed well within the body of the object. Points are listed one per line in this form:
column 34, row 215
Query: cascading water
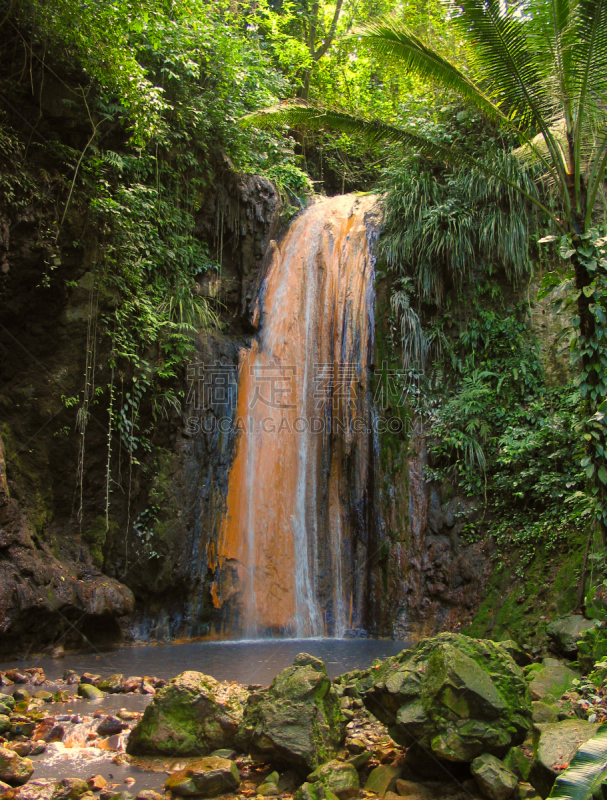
column 298, row 484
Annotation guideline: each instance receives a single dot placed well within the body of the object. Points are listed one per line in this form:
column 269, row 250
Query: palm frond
column 374, row 131
column 395, row 42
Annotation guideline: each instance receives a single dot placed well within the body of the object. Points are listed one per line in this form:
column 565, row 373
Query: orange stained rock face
column 306, row 371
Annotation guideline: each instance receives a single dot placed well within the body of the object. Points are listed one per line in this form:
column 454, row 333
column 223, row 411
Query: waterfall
column 299, row 474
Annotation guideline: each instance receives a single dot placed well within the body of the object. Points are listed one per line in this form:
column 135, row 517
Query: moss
column 516, row 596
column 99, row 538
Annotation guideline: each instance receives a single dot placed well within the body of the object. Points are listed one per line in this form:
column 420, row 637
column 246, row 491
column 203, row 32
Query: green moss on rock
column 298, row 720
column 458, row 696
column 193, row 715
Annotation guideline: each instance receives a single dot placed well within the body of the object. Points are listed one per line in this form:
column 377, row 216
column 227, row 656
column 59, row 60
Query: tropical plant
column 539, row 71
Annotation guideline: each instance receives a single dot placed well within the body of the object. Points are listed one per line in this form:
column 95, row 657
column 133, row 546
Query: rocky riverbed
column 454, row 717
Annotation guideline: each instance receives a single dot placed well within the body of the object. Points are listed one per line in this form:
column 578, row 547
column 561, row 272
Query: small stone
column 412, row 789
column 58, row 651
column 269, row 786
column 110, row 725
column 356, row 746
column 90, row 692
column 149, row 794
column 361, row 759
column 72, row 788
column 38, row 748
column 337, row 777
column 131, row 685
column 21, row 694
column 526, row 791
column 96, row 783
column 130, row 781
column 90, row 678
column 208, row 777
column 22, row 748
column 225, row 752
column 47, row 697
column 495, row 781
column 16, row 677
column 383, row 779
column 112, row 685
column 147, row 688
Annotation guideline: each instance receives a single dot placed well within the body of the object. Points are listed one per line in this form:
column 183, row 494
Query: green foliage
column 441, row 223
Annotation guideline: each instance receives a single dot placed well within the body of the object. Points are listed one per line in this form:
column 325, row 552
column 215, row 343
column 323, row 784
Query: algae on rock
column 193, row 715
column 457, row 696
column 298, row 721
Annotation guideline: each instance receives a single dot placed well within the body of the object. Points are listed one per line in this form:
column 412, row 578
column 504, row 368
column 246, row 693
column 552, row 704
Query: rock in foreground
column 457, row 696
column 208, row 777
column 553, row 748
column 193, row 715
column 297, row 721
column 14, row 770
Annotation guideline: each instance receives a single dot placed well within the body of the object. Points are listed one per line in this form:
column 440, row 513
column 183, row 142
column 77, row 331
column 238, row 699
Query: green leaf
column 603, row 475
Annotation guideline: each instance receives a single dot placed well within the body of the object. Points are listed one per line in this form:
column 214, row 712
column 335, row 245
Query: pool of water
column 248, row 661
column 257, row 661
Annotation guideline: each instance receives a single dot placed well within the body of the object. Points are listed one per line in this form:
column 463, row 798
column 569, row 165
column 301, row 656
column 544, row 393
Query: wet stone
column 208, row 777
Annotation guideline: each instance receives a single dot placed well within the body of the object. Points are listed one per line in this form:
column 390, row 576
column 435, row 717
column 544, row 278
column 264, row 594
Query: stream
column 243, row 661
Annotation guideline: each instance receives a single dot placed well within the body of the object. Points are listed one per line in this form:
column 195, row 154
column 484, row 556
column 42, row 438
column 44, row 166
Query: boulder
column 553, row 747
column 550, row 679
column 337, row 777
column 495, row 781
column 565, row 632
column 383, row 779
column 14, row 769
column 193, row 715
column 455, row 696
column 209, row 777
column 298, row 721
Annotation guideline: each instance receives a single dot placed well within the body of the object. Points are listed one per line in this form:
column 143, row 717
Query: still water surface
column 247, row 661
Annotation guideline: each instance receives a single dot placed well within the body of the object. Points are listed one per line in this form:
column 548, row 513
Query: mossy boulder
column 298, row 721
column 456, row 696
column 565, row 632
column 14, row 770
column 337, row 777
column 550, row 679
column 193, row 715
column 494, row 779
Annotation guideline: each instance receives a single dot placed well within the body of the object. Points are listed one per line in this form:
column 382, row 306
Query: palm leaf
column 375, row 131
column 396, row 42
column 587, row 770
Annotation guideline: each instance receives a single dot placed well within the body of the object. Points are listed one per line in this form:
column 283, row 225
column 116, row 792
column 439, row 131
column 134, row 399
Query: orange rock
column 96, row 783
